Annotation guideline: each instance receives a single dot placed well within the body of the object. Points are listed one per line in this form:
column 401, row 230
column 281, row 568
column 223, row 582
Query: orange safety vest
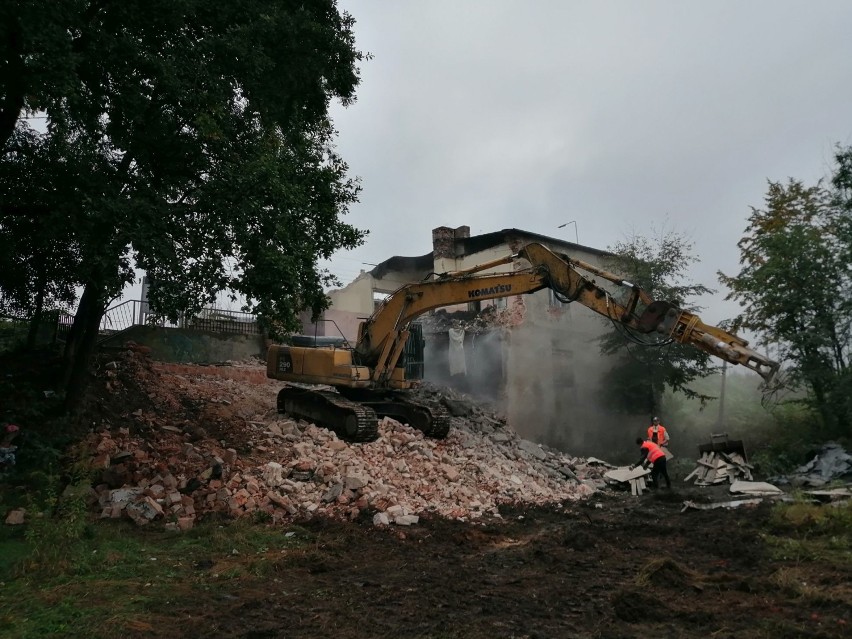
column 653, row 451
column 660, row 434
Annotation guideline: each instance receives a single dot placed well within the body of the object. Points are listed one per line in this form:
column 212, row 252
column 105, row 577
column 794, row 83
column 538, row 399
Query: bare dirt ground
column 633, row 568
column 608, row 566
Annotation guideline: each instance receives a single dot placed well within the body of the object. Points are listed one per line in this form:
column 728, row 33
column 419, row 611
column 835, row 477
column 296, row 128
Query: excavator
column 369, row 381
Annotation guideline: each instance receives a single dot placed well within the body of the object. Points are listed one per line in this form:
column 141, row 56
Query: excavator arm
column 370, row 385
column 659, row 316
column 382, row 337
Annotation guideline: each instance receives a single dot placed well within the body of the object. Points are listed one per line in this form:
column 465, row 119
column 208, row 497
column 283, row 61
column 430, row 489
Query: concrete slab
column 755, row 488
column 625, row 474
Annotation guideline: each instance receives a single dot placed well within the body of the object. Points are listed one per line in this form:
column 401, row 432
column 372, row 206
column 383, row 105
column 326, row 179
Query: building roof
column 478, row 243
column 401, row 263
column 471, row 246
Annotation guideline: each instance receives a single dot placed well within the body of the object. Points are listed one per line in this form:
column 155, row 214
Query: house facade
column 536, row 358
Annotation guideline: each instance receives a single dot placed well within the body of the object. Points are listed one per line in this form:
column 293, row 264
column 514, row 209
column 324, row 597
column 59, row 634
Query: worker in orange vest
column 653, row 455
column 657, row 433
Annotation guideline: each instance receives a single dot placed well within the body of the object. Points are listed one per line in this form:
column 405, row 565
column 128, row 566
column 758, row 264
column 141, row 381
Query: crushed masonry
column 243, row 457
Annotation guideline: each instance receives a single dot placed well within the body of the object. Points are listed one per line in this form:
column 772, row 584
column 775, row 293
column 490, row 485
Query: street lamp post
column 576, row 234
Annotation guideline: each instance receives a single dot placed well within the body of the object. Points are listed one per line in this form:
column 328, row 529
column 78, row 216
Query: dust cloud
column 545, row 375
column 553, row 389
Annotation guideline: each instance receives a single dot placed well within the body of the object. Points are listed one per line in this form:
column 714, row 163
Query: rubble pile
column 719, row 468
column 238, row 456
column 832, row 463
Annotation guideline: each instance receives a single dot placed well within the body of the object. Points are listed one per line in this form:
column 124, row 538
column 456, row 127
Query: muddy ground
column 611, row 566
column 614, row 566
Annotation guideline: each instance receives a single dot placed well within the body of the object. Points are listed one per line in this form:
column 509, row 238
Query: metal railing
column 138, row 313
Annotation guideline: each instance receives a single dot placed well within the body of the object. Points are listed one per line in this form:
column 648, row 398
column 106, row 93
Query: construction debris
column 243, row 458
column 736, row 503
column 833, row 495
column 634, row 477
column 755, row 488
column 830, row 464
column 16, row 517
column 719, row 468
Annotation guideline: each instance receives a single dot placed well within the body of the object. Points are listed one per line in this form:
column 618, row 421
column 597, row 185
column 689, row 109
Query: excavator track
column 439, row 417
column 351, row 421
column 429, row 417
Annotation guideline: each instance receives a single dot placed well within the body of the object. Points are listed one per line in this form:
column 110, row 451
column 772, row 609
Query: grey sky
column 620, row 115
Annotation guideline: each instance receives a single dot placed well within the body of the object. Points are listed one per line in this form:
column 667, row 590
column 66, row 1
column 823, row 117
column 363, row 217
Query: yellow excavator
column 370, row 383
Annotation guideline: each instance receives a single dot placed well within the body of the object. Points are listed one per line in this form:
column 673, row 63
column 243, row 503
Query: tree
column 35, row 256
column 795, row 285
column 657, row 265
column 198, row 146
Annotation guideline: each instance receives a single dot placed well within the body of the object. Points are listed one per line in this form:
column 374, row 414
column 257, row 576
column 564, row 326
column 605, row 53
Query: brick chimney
column 443, row 246
column 443, row 241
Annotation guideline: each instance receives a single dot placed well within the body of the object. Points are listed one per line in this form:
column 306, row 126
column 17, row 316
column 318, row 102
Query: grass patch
column 815, row 519
column 803, row 531
column 798, row 582
column 116, row 580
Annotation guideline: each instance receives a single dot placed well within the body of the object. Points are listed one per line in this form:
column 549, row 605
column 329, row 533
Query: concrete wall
column 356, row 297
column 191, row 346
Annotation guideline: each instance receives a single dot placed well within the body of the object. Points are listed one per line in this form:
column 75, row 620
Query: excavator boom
column 658, row 316
column 368, row 378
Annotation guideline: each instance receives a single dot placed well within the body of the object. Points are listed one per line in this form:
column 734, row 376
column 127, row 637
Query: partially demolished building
column 538, row 358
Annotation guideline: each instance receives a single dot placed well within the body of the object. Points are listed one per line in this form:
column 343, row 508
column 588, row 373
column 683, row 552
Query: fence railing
column 138, row 313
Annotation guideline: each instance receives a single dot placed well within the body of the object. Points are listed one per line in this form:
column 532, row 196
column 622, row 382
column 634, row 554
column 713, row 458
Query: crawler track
column 431, row 418
column 352, row 421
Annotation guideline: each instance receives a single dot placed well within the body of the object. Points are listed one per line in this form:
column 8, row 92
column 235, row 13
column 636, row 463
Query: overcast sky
column 619, row 115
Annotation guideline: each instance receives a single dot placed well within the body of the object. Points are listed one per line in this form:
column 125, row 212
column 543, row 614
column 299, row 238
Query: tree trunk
column 75, row 334
column 35, row 321
column 86, row 327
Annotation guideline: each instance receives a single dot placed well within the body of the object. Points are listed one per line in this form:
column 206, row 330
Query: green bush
column 56, row 524
column 13, row 335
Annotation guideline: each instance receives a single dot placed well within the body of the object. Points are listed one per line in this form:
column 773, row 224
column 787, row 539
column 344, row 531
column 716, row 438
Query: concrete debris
column 532, row 448
column 295, row 471
column 599, row 462
column 16, row 517
column 381, row 519
column 736, row 503
column 634, row 478
column 755, row 488
column 833, row 495
column 719, row 468
column 830, row 464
